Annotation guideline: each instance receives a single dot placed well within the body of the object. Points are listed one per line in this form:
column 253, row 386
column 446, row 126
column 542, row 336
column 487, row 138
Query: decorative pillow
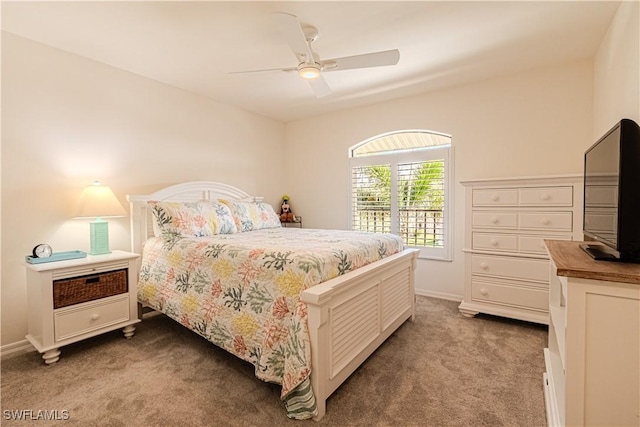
column 252, row 216
column 223, row 219
column 182, row 219
column 267, row 217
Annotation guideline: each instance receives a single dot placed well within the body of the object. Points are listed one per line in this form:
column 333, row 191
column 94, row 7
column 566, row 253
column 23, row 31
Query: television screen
column 612, row 194
column 601, row 189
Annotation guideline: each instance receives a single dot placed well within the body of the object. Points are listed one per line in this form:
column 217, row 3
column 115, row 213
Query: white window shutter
column 421, row 203
column 371, row 196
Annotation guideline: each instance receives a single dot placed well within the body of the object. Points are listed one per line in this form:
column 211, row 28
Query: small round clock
column 42, row 251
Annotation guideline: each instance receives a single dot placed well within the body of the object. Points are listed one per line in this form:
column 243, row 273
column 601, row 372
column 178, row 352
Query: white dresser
column 506, row 222
column 593, row 359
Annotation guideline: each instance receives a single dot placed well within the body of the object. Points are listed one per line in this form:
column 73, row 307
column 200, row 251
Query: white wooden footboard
column 352, row 315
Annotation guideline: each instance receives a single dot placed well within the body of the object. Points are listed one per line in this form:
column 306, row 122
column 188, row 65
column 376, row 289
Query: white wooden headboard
column 140, row 216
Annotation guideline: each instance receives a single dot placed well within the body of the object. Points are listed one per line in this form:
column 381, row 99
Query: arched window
column 400, row 184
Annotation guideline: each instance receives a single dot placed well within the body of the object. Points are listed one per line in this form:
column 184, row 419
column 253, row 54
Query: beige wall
column 616, row 92
column 67, row 120
column 533, row 123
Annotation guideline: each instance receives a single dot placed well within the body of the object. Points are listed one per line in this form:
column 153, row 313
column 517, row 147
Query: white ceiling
column 194, row 45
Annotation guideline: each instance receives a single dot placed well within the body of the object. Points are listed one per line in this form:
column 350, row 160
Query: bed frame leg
column 321, row 404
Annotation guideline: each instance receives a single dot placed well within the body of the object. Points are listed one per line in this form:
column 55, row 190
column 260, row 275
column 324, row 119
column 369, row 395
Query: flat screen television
column 612, row 195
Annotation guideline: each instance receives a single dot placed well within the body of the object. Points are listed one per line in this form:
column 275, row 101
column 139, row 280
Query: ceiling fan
column 310, row 66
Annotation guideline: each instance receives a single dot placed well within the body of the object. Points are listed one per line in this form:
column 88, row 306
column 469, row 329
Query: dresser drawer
column 546, row 196
column 548, row 221
column 83, row 318
column 516, row 268
column 495, row 219
column 513, row 242
column 512, row 294
column 535, row 244
column 495, row 242
column 495, row 197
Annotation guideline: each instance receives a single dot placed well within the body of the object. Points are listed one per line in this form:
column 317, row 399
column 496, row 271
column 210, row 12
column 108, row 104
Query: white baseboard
column 439, row 295
column 23, row 346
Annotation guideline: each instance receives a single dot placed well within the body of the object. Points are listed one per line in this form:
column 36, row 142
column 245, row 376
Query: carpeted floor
column 441, row 370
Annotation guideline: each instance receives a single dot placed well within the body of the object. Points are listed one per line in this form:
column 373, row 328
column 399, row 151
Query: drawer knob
column 484, row 265
column 545, row 221
column 545, row 196
column 495, row 197
column 495, row 219
column 95, row 316
column 484, row 292
column 494, row 242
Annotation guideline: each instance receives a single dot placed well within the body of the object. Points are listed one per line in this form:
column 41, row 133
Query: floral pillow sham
column 250, row 216
column 225, row 223
column 191, row 219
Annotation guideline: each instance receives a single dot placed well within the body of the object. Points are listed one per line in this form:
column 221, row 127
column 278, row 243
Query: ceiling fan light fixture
column 309, row 71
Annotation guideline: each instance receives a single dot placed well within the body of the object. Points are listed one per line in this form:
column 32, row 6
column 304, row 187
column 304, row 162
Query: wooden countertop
column 571, row 261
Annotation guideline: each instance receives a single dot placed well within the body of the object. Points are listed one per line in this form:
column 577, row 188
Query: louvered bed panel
column 395, row 297
column 354, row 325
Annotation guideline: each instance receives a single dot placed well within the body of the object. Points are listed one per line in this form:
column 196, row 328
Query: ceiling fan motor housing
column 310, row 33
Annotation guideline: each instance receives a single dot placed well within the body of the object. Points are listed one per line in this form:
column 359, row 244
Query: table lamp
column 98, row 201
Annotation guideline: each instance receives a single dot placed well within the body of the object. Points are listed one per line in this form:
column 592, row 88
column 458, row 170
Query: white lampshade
column 98, row 201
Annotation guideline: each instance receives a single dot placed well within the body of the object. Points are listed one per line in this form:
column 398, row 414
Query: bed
column 306, row 307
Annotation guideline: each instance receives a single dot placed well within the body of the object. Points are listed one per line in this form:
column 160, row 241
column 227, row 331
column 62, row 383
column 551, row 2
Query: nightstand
column 297, row 223
column 72, row 300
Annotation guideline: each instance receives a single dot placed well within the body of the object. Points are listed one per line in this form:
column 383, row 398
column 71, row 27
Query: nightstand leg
column 128, row 331
column 467, row 313
column 51, row 356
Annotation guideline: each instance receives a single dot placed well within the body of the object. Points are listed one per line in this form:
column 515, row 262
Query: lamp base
column 99, row 237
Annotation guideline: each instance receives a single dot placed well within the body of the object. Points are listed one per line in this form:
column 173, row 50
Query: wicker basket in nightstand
column 88, row 288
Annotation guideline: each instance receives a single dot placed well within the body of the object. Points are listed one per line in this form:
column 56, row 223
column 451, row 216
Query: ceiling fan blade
column 263, row 70
column 320, row 87
column 292, row 32
column 366, row 60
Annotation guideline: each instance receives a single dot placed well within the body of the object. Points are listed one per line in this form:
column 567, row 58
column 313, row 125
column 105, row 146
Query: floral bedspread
column 242, row 292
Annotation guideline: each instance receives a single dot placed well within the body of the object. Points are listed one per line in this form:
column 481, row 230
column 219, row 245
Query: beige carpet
column 441, row 370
